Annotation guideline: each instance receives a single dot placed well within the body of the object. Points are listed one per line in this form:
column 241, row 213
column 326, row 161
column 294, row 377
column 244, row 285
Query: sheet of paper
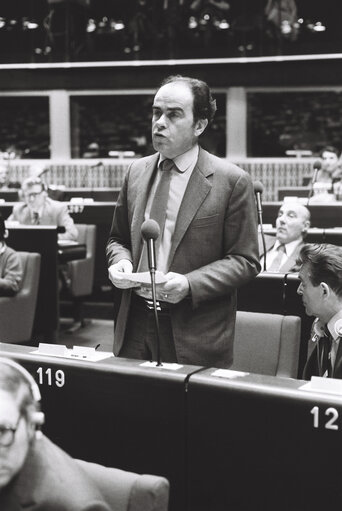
column 326, row 385
column 77, row 353
column 228, row 373
column 142, row 277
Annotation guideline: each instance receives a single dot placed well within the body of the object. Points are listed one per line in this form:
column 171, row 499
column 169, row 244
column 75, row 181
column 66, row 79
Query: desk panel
column 290, row 191
column 97, row 194
column 315, row 235
column 115, row 412
column 253, row 445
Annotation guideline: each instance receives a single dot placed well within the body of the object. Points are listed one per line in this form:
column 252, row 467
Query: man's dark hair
column 329, row 149
column 2, row 228
column 204, row 104
column 324, row 265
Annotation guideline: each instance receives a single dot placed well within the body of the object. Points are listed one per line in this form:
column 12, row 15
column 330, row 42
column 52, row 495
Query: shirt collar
column 289, row 247
column 2, row 247
column 185, row 160
column 335, row 325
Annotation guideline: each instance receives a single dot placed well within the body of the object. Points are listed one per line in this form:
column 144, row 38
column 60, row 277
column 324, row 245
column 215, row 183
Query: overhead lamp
column 223, row 25
column 91, row 26
column 118, row 25
column 319, row 27
column 2, row 22
column 29, row 24
column 192, row 23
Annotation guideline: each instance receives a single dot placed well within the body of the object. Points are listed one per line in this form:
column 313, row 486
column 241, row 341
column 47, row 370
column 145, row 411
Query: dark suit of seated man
column 321, row 290
column 11, row 272
column 35, row 474
column 39, row 209
column 282, row 251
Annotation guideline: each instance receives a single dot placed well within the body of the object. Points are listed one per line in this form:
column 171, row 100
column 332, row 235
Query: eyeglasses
column 32, row 195
column 7, row 434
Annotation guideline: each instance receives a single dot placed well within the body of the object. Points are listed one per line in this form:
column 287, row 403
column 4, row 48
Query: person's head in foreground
column 20, row 417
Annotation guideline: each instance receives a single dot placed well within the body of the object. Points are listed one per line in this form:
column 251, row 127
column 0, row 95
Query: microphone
column 258, row 189
column 150, row 232
column 317, row 166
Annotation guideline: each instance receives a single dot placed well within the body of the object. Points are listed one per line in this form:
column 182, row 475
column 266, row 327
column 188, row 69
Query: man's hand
column 117, row 274
column 175, row 289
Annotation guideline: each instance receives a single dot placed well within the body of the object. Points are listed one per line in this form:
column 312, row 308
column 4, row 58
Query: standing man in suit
column 35, row 474
column 282, row 251
column 39, row 209
column 208, row 245
column 321, row 290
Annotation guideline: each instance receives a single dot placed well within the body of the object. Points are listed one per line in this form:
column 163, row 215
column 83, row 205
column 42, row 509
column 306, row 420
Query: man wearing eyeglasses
column 35, row 474
column 39, row 209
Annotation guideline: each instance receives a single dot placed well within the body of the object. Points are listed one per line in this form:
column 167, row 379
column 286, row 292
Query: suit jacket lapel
column 195, row 193
column 337, row 371
column 291, row 261
column 143, row 187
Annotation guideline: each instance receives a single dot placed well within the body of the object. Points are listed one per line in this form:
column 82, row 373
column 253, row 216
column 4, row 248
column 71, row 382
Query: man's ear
column 6, row 233
column 325, row 289
column 200, row 126
column 306, row 226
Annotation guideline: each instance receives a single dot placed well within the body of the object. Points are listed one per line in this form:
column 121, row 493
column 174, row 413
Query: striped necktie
column 325, row 355
column 35, row 218
column 158, row 208
column 275, row 266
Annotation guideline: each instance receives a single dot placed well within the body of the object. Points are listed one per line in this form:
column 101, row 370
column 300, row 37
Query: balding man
column 282, row 250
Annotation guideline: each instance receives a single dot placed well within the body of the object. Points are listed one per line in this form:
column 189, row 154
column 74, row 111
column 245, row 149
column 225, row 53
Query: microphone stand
column 313, row 181
column 152, row 269
column 259, row 209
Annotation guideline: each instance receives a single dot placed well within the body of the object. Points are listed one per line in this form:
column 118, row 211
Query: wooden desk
column 115, row 412
column 104, row 194
column 41, row 239
column 292, row 191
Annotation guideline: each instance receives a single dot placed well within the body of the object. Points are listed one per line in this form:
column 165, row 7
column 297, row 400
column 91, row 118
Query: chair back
column 127, row 491
column 17, row 312
column 82, row 270
column 267, row 344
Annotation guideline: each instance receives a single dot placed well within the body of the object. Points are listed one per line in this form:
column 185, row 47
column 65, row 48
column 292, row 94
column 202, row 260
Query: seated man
column 321, row 290
column 292, row 224
column 34, row 472
column 11, row 272
column 5, row 182
column 329, row 173
column 38, row 208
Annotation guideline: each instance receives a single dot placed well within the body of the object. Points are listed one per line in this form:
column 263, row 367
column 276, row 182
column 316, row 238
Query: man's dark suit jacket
column 49, row 481
column 214, row 245
column 290, row 265
column 312, row 367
